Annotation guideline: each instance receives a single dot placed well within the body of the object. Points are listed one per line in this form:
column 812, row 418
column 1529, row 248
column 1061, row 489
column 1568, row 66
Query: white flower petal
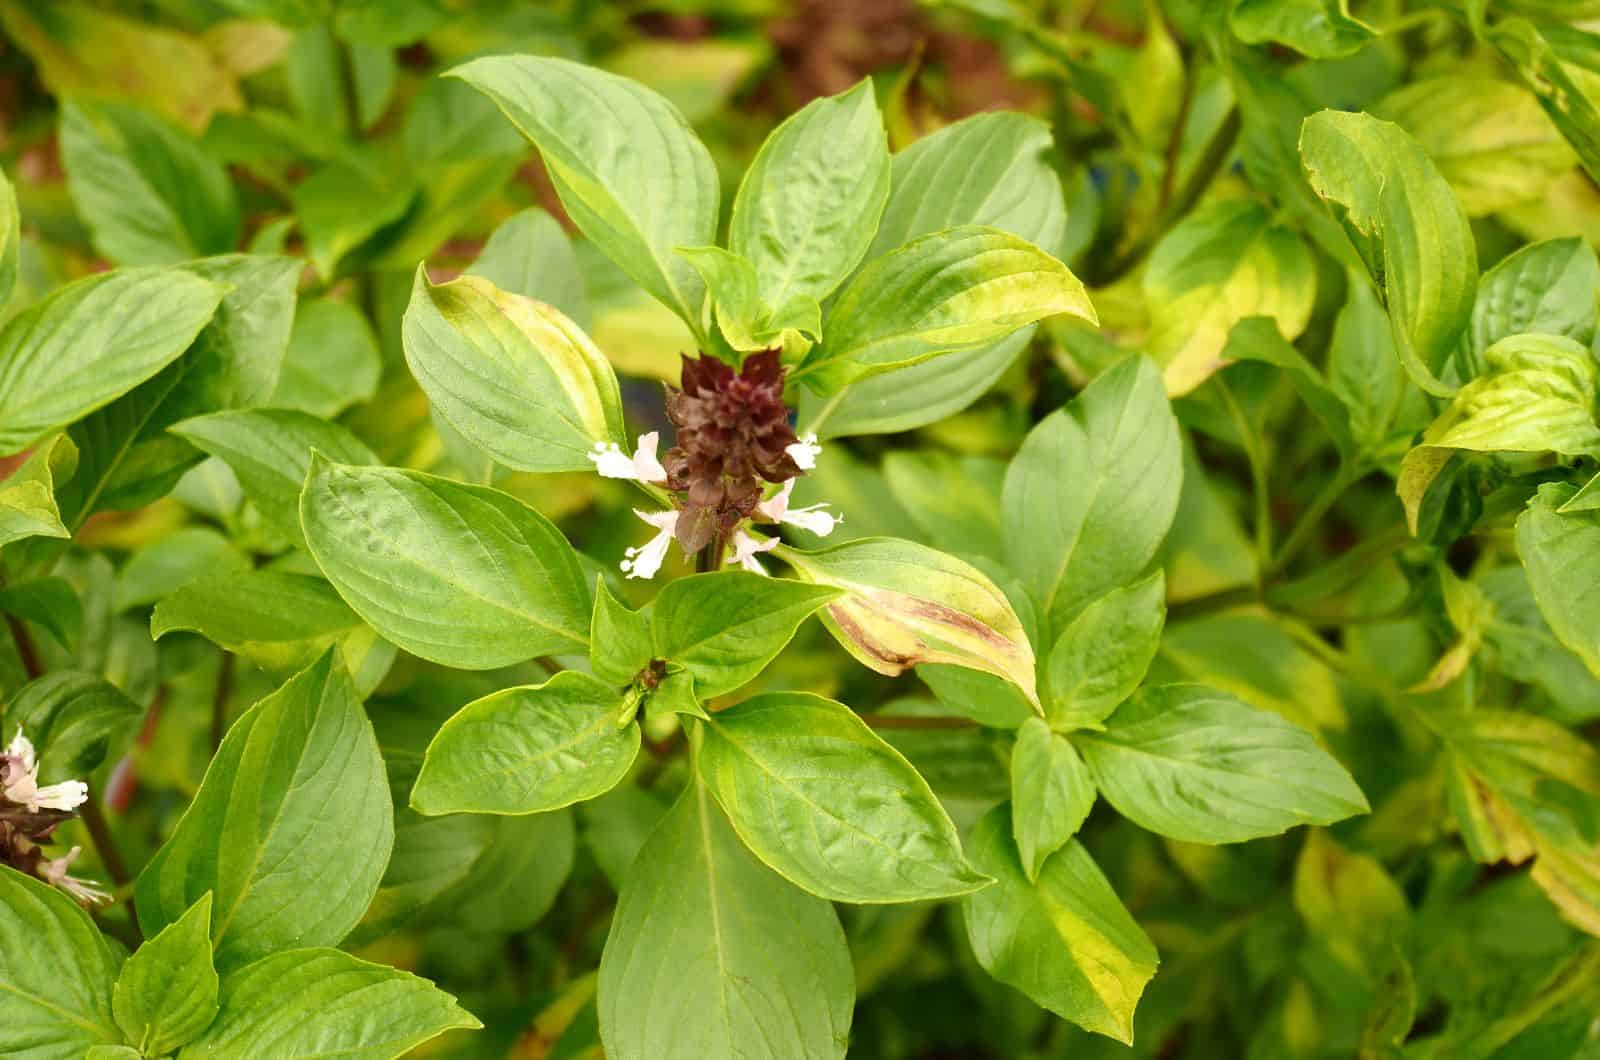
column 646, row 560
column 55, row 873
column 804, row 452
column 814, row 519
column 66, row 796
column 746, row 547
column 21, row 747
column 645, row 464
column 774, row 507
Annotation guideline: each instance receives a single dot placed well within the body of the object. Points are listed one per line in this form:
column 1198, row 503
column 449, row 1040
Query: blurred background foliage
column 170, row 129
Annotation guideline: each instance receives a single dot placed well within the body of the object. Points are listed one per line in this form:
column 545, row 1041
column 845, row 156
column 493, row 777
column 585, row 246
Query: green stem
column 1258, row 475
column 1310, row 520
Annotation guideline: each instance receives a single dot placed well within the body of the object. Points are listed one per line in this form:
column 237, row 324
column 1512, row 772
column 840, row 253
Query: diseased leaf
column 989, row 169
column 1196, row 764
column 1066, row 941
column 528, row 750
column 462, row 575
column 724, row 628
column 513, row 375
column 907, row 604
column 300, row 767
column 1407, row 226
column 702, row 927
column 1537, row 395
column 955, row 289
column 1216, row 267
column 821, row 799
column 1488, row 137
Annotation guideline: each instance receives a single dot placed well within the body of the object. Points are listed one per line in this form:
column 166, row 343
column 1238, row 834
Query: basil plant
column 627, row 638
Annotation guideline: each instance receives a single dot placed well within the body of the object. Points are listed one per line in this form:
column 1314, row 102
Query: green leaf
column 299, row 768
column 529, row 253
column 1219, row 265
column 990, row 169
column 47, row 602
column 166, row 994
column 1536, row 396
column 169, row 563
column 1051, row 794
column 237, row 359
column 702, row 927
column 1528, row 649
column 835, row 810
column 1258, row 339
column 1557, row 550
column 512, row 588
column 91, row 341
column 1321, row 29
column 513, row 375
column 280, row 621
column 626, row 165
column 725, row 627
column 1547, row 287
column 907, row 604
column 332, row 361
column 148, row 193
column 1196, row 764
column 270, row 452
column 956, row 289
column 76, row 721
column 1363, row 367
column 10, row 236
column 955, row 501
column 56, row 971
column 809, row 204
column 747, row 322
column 322, row 201
column 321, row 1002
column 28, row 495
column 1090, row 495
column 1101, row 656
column 1407, row 226
column 619, row 639
column 1065, row 941
column 528, row 750
column 1488, row 137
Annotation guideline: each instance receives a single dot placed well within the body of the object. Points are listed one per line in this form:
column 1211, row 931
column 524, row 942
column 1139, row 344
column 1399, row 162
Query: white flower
column 642, row 466
column 643, row 562
column 19, row 781
column 776, row 509
column 804, row 452
column 747, row 546
column 55, row 874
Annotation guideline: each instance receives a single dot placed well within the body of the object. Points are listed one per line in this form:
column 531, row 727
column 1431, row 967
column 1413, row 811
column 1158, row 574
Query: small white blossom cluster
column 21, row 792
column 643, row 466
